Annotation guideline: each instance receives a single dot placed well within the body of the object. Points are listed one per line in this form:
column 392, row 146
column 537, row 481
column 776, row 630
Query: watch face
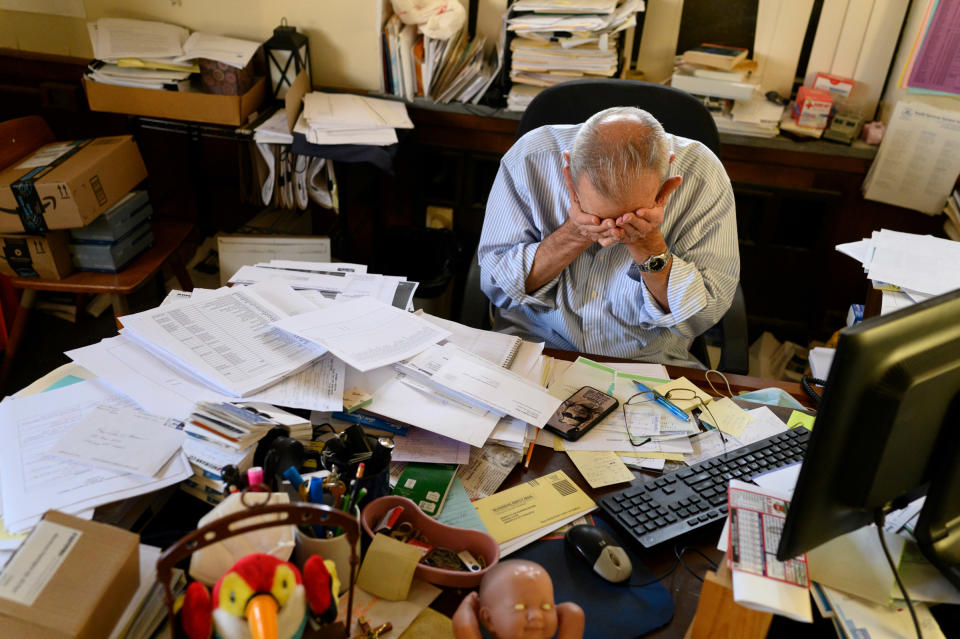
column 656, row 263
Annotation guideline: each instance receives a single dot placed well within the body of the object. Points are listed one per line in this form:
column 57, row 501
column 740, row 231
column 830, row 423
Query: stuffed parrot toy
column 260, row 597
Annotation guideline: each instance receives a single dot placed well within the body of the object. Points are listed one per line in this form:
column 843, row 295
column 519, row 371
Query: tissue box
column 71, row 579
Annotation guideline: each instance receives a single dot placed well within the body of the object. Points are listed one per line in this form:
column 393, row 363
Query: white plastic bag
column 208, row 564
column 438, row 19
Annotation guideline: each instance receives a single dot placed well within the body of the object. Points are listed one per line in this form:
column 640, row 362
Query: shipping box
column 71, row 579
column 191, row 105
column 68, row 184
column 46, row 256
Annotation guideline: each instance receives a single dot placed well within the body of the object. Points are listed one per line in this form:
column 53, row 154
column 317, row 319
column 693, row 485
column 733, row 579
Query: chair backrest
column 20, row 136
column 573, row 102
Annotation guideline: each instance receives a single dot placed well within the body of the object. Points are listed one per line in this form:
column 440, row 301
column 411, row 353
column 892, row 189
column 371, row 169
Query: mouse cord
column 678, row 560
column 649, row 582
column 682, row 551
column 878, row 517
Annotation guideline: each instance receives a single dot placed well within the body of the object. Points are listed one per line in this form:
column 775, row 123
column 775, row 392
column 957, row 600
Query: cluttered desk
column 455, row 450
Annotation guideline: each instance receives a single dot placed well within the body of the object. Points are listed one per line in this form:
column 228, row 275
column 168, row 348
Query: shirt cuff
column 511, row 275
column 685, row 294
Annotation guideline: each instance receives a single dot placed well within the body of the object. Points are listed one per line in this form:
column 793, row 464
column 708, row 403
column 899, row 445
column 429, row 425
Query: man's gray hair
column 611, row 163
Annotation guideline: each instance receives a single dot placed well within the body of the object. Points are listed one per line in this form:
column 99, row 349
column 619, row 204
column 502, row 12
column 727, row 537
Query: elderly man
column 610, row 237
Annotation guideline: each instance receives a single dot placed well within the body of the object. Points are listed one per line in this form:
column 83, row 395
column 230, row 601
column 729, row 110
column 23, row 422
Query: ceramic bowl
column 479, row 544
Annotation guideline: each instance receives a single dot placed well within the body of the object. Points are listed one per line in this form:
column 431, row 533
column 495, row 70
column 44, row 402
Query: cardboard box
column 68, row 184
column 835, row 85
column 71, row 578
column 177, row 105
column 46, row 256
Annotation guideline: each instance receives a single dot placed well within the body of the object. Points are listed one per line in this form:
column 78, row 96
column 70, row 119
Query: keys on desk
column 658, row 510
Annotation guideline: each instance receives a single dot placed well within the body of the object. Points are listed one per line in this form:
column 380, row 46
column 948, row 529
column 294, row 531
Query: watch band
column 654, row 263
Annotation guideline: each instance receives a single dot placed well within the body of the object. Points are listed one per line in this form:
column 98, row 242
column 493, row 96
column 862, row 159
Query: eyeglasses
column 651, row 422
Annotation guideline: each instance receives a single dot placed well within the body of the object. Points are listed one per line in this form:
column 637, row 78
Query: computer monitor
column 887, row 431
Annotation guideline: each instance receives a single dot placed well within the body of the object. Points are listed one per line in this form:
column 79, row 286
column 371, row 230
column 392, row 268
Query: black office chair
column 679, row 113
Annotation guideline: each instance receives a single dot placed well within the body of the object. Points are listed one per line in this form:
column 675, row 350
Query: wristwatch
column 654, row 263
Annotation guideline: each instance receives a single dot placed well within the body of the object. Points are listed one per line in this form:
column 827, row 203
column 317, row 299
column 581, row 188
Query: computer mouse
column 601, row 551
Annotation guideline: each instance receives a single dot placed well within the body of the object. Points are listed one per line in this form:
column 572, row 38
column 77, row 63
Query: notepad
column 499, row 348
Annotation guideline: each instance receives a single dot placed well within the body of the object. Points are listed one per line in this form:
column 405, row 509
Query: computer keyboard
column 658, row 510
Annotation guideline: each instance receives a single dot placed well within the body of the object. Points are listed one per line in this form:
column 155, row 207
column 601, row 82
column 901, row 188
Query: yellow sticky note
column 686, row 384
column 356, row 398
column 558, row 444
column 800, row 419
column 730, row 418
column 600, row 468
column 387, row 570
column 532, row 506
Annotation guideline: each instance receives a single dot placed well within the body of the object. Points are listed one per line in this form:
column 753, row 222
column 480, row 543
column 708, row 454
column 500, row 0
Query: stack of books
column 717, row 71
column 227, row 426
column 207, row 461
column 558, row 40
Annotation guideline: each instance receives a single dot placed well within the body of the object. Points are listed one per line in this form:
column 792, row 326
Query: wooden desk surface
column 684, row 588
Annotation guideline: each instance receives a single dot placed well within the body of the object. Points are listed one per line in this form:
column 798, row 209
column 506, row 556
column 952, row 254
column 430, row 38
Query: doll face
column 520, row 605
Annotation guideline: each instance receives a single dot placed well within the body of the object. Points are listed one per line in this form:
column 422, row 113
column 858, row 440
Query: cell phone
column 580, row 412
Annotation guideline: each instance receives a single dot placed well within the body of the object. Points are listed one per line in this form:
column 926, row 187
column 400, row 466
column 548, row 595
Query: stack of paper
column 911, row 268
column 225, row 339
column 34, row 480
column 559, row 41
column 756, row 117
column 156, row 55
column 344, row 118
column 301, row 276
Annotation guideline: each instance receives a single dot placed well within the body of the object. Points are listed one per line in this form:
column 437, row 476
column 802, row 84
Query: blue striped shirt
column 595, row 305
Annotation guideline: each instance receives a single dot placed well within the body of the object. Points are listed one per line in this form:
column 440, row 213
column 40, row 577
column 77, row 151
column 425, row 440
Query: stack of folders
column 207, row 462
column 227, row 425
column 560, row 40
column 455, row 69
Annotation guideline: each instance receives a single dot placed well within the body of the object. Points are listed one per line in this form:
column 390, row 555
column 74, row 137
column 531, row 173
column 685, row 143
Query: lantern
column 287, row 53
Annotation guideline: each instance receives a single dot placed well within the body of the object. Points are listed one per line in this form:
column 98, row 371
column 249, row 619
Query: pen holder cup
column 479, row 544
column 377, row 485
column 336, row 549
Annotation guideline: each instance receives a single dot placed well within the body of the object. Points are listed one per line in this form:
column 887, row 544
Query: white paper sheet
column 34, row 481
column 121, row 38
column 398, row 402
column 918, row 160
column 232, row 51
column 494, row 386
column 226, row 339
column 121, row 439
column 364, row 332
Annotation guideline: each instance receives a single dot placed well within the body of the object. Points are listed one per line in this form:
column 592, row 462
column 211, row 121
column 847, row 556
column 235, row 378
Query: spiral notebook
column 499, row 348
